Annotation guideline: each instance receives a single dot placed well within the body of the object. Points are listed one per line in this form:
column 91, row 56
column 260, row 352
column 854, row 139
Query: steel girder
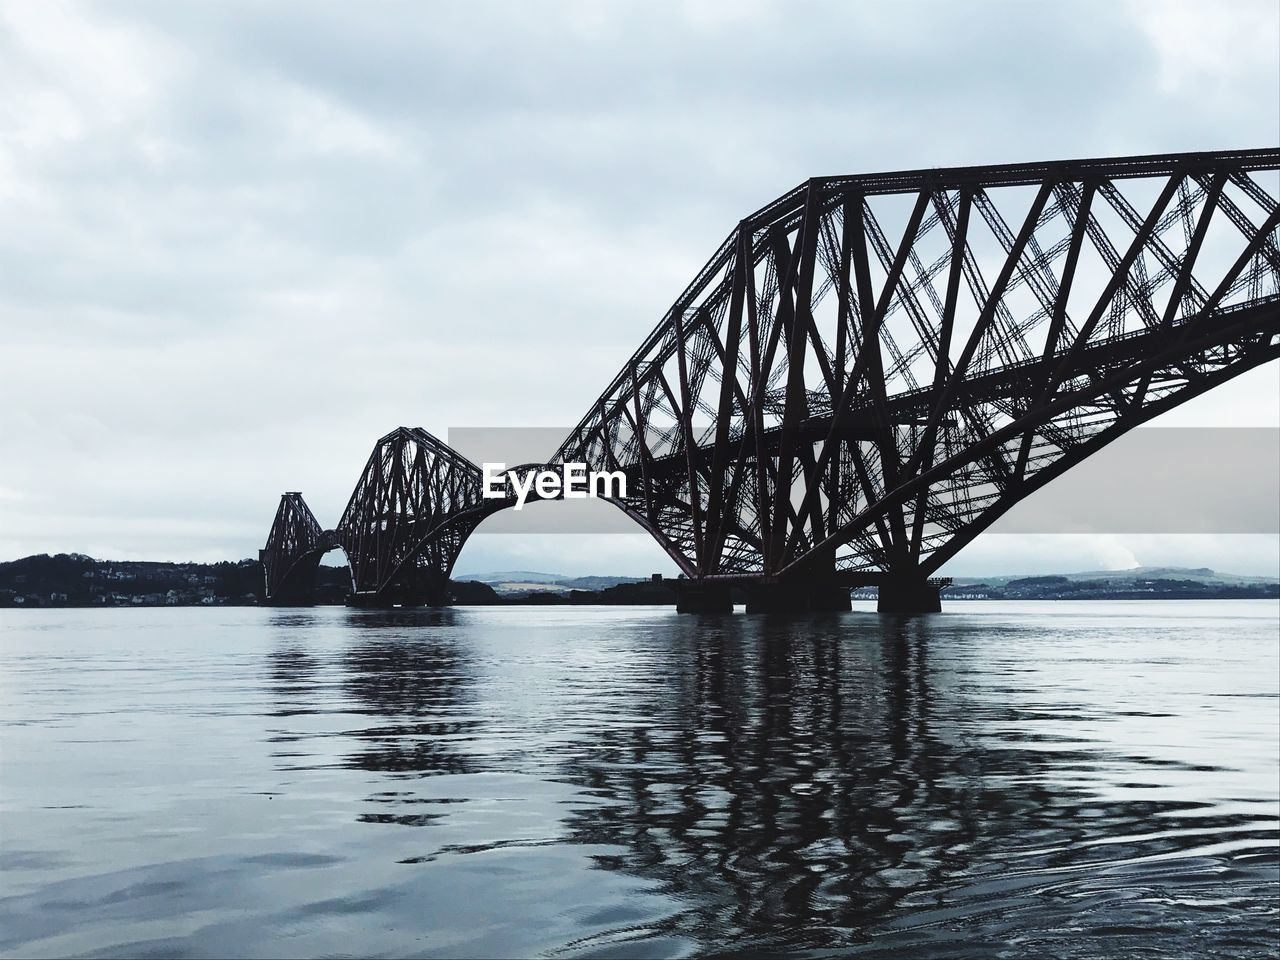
column 294, row 548
column 408, row 518
column 870, row 370
column 415, row 504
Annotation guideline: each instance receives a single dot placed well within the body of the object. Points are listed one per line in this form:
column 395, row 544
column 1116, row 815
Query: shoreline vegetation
column 75, row 580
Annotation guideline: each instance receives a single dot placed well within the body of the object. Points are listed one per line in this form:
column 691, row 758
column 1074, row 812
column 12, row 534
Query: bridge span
column 867, row 373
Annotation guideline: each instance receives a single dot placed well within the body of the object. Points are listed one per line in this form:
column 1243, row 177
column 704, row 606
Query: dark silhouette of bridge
column 868, row 372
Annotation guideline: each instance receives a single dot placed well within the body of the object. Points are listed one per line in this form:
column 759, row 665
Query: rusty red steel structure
column 871, row 370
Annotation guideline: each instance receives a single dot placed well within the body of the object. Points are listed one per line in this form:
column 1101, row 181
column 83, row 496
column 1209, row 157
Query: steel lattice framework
column 294, row 548
column 870, row 370
column 413, row 508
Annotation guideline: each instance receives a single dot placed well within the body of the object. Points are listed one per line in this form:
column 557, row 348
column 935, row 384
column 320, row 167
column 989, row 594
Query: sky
column 243, row 240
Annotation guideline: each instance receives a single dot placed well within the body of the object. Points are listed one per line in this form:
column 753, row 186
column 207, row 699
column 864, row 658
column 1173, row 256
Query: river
column 1066, row 779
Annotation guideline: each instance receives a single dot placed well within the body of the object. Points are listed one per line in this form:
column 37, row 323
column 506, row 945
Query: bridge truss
column 414, row 506
column 871, row 370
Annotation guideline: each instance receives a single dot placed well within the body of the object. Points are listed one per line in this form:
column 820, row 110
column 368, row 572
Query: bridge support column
column 369, row 601
column 433, row 597
column 908, row 595
column 797, row 596
column 693, row 596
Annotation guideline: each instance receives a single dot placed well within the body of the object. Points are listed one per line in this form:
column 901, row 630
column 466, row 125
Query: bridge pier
column 296, row 601
column 817, row 595
column 373, row 602
column 424, row 596
column 695, row 596
column 910, row 595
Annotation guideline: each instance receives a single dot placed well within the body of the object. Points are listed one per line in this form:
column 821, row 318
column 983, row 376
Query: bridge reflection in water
column 790, row 783
column 867, row 373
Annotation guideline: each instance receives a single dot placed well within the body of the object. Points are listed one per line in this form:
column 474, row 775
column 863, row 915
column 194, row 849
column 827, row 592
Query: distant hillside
column 1199, row 574
column 515, row 576
column 1142, row 583
column 513, row 582
column 74, row 580
column 1138, row 583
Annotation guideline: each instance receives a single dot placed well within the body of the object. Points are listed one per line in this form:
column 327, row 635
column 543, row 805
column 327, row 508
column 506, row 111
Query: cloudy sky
column 242, row 240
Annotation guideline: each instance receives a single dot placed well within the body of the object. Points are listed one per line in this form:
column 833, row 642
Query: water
column 1019, row 780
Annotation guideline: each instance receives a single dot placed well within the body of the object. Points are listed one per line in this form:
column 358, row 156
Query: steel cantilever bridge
column 867, row 373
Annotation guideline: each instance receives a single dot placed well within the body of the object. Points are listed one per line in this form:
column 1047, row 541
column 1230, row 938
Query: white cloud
column 1208, row 50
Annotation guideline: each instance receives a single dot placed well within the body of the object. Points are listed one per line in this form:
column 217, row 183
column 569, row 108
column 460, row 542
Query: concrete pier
column 797, row 596
column 693, row 596
column 909, row 595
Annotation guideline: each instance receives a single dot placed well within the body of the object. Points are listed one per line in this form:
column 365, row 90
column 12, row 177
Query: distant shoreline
column 78, row 581
column 522, row 603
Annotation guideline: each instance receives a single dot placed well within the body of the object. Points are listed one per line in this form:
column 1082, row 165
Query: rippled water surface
column 1018, row 780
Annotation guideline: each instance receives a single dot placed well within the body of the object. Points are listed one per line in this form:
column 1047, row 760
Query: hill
column 75, row 580
column 1140, row 583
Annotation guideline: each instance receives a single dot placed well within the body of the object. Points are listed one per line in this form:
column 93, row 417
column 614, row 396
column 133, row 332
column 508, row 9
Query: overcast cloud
column 243, row 240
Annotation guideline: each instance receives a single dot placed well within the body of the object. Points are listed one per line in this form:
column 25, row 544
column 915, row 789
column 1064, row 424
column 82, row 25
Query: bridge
column 867, row 373
column 412, row 510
